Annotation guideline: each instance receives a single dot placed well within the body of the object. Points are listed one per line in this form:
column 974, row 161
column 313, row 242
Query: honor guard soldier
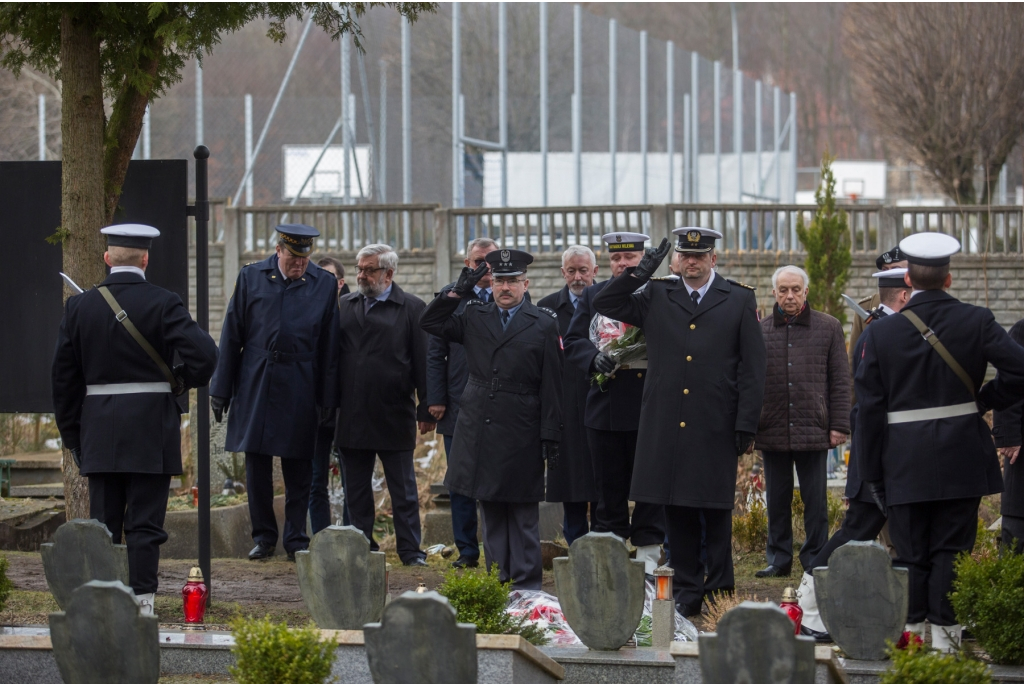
column 277, row 379
column 925, row 452
column 702, row 401
column 885, row 262
column 1007, row 431
column 113, row 396
column 612, row 415
column 511, row 417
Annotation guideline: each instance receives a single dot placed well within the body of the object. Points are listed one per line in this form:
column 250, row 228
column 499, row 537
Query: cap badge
column 618, row 238
column 506, row 256
column 887, row 258
column 693, row 236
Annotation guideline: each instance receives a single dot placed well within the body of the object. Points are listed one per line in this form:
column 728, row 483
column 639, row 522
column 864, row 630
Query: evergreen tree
column 827, row 241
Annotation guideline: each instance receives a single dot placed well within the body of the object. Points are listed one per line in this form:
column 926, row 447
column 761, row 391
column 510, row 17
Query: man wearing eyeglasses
column 511, row 417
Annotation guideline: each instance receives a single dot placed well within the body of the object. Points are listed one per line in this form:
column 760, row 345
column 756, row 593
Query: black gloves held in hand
column 877, row 490
column 76, row 454
column 219, row 405
column 549, row 452
column 179, row 377
column 652, row 259
column 604, row 364
column 468, row 279
column 325, row 415
column 744, row 442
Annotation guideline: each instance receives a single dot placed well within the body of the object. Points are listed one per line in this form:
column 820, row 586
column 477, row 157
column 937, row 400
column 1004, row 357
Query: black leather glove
column 325, row 415
column 877, row 490
column 468, row 279
column 76, row 454
column 602, row 363
column 652, row 259
column 744, row 441
column 219, row 405
column 179, row 376
column 549, row 451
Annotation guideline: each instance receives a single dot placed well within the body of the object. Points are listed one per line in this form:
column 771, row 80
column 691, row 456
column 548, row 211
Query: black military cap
column 696, row 239
column 130, row 235
column 891, row 257
column 298, row 238
column 508, row 262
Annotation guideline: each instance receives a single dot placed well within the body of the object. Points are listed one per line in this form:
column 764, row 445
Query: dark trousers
column 136, row 503
column 778, row 472
column 928, row 536
column 319, row 500
column 863, row 522
column 512, row 541
column 1012, row 536
column 684, row 537
column 613, row 453
column 401, row 482
column 259, row 477
column 575, row 524
column 464, row 520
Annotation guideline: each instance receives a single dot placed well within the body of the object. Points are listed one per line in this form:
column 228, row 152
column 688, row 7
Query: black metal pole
column 202, row 214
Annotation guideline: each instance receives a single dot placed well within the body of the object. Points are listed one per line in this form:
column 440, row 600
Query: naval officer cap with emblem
column 929, row 249
column 892, row 278
column 625, row 242
column 696, row 239
column 508, row 263
column 130, row 235
column 297, row 238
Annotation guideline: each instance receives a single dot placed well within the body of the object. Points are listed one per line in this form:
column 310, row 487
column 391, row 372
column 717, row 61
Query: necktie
column 504, row 318
column 485, row 295
column 695, row 296
column 368, row 304
column 576, row 303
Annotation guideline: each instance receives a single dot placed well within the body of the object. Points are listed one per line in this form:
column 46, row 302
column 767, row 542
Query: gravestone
column 600, row 590
column 343, row 583
column 419, row 641
column 102, row 637
column 863, row 600
column 82, row 550
column 755, row 644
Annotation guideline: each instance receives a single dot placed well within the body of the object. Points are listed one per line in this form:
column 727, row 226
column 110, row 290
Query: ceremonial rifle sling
column 929, row 335
column 122, row 316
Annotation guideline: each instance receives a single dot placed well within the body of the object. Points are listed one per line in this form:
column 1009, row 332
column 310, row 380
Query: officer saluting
column 511, row 415
column 278, row 367
column 702, row 401
column 113, row 396
column 925, row 452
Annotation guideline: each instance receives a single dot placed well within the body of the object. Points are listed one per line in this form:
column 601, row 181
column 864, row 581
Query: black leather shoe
column 690, row 611
column 291, row 555
column 772, row 572
column 465, row 562
column 415, row 562
column 261, row 551
column 818, row 635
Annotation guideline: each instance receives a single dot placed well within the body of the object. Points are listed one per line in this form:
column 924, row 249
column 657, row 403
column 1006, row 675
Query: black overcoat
column 278, row 359
column 705, row 382
column 138, row 432
column 512, row 401
column 573, row 479
column 447, row 373
column 383, row 371
column 934, row 459
column 616, row 405
column 1007, row 431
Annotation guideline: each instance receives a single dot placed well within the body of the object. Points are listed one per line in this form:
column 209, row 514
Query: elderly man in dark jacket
column 1007, row 431
column 383, row 370
column 806, row 412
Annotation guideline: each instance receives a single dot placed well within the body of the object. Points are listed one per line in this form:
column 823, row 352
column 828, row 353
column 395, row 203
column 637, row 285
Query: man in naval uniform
column 612, row 416
column 511, row 417
column 1007, row 431
column 702, row 401
column 885, row 261
column 113, row 396
column 925, row 453
column 277, row 379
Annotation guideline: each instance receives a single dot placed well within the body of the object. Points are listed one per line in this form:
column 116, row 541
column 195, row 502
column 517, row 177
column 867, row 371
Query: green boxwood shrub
column 988, row 598
column 6, row 586
column 479, row 597
column 268, row 652
column 918, row 664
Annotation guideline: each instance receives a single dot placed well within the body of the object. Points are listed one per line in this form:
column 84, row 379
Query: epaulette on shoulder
column 742, row 285
column 671, row 278
column 864, row 300
column 476, row 301
column 249, row 264
column 549, row 312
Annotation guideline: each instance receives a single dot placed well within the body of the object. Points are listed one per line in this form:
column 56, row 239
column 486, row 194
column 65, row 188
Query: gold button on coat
column 693, row 326
column 682, row 424
column 639, row 375
column 689, row 358
column 686, row 391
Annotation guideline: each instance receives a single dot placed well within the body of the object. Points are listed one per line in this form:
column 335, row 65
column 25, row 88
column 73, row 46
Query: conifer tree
column 827, row 241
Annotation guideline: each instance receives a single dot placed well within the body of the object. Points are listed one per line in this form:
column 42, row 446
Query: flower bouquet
column 621, row 341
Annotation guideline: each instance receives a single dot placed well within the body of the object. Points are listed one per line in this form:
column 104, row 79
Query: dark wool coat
column 139, row 432
column 933, row 459
column 705, row 382
column 1006, row 428
column 278, row 359
column 807, row 382
column 447, row 373
column 512, row 402
column 573, row 479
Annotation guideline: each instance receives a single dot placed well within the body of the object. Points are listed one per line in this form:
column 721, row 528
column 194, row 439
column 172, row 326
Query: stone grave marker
column 601, row 590
column 755, row 644
column 102, row 637
column 82, row 550
column 419, row 641
column 343, row 583
column 863, row 600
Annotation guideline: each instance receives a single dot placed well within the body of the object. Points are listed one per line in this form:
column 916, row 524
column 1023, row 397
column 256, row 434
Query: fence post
column 232, row 251
column 889, row 229
column 661, row 227
column 442, row 250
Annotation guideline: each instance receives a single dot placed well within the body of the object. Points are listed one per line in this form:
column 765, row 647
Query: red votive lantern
column 792, row 608
column 663, row 582
column 193, row 596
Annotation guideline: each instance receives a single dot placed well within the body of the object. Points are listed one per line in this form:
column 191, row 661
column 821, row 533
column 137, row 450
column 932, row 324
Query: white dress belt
column 639, row 364
column 933, row 413
column 126, row 388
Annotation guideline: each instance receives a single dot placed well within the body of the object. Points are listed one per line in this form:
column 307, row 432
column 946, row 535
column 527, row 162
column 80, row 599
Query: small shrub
column 750, row 530
column 988, row 598
column 918, row 664
column 720, row 603
column 797, row 510
column 6, row 586
column 269, row 652
column 479, row 597
column 986, row 543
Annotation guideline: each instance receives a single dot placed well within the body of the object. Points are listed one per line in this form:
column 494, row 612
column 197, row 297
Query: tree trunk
column 82, row 210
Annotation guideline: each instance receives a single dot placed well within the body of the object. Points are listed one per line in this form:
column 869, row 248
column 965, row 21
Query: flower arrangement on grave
column 622, row 342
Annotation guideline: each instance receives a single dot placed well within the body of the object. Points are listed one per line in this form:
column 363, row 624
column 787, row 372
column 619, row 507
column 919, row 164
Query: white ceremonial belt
column 947, row 412
column 639, row 364
column 126, row 388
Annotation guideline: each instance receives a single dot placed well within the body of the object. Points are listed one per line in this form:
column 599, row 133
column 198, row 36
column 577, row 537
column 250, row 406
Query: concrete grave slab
column 343, row 583
column 755, row 644
column 82, row 550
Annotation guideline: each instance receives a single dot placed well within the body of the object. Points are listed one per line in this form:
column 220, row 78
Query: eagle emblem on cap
column 506, row 255
column 693, row 236
column 618, row 238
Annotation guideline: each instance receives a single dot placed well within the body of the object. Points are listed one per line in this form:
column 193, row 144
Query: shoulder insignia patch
column 742, row 285
column 250, row 264
column 476, row 302
column 671, row 278
column 865, row 300
column 549, row 312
